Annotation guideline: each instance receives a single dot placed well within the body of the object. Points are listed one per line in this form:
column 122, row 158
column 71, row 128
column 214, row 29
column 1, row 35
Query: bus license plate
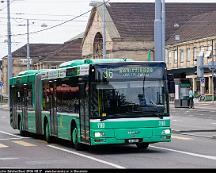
column 133, row 140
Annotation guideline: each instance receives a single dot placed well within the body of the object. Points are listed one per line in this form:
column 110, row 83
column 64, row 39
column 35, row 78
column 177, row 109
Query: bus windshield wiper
column 103, row 118
column 158, row 114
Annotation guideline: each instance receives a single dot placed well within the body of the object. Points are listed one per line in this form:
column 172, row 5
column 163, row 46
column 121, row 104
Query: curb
column 189, row 134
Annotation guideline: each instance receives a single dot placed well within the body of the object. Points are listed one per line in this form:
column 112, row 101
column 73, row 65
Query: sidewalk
column 4, row 106
column 192, row 124
column 208, row 105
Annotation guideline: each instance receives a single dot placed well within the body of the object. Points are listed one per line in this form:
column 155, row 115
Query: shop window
column 188, row 54
column 181, row 55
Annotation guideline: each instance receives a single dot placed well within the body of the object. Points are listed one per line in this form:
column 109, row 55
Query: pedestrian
column 191, row 96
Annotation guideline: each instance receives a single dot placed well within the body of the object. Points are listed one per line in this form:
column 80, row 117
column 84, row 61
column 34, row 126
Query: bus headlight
column 166, row 131
column 99, row 134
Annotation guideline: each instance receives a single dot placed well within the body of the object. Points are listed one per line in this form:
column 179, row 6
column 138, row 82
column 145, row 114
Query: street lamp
column 28, row 57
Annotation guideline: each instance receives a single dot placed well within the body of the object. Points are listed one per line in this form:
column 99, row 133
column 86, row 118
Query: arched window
column 98, row 46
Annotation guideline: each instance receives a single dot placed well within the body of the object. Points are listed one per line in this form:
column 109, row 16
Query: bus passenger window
column 67, row 97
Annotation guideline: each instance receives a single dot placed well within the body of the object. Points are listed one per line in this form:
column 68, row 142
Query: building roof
column 36, row 50
column 200, row 26
column 70, row 50
column 136, row 20
column 81, row 35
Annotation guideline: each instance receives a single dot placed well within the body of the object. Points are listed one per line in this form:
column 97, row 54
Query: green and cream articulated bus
column 94, row 102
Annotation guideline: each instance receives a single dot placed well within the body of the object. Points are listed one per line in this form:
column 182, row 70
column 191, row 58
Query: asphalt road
column 185, row 150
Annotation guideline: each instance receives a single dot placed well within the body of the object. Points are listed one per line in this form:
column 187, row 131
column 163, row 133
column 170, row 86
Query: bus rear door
column 38, row 103
column 53, row 111
column 84, row 113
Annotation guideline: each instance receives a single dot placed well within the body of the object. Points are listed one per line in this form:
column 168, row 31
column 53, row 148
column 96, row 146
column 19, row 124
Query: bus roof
column 32, row 72
column 27, row 72
column 78, row 62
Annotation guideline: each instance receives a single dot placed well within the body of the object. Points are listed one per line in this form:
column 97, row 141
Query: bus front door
column 53, row 111
column 84, row 113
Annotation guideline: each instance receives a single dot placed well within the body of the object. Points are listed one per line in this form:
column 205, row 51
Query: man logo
column 133, row 133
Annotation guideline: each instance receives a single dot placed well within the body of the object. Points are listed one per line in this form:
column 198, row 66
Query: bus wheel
column 76, row 144
column 47, row 133
column 142, row 146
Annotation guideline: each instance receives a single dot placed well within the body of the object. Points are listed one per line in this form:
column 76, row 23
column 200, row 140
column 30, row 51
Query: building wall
column 173, row 52
column 178, row 56
column 116, row 48
column 87, row 48
column 137, row 50
column 17, row 67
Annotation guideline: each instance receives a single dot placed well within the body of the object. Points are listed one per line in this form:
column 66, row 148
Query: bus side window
column 94, row 100
column 29, row 97
column 45, row 98
column 67, row 96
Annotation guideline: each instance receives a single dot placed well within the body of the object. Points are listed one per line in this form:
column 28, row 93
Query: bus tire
column 76, row 144
column 47, row 132
column 142, row 146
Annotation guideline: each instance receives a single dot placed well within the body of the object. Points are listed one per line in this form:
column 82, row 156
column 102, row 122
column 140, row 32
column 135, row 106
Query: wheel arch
column 73, row 124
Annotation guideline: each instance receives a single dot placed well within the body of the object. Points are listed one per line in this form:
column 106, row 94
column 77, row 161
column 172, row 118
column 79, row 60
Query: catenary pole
column 158, row 31
column 104, row 30
column 10, row 62
column 27, row 46
column 163, row 29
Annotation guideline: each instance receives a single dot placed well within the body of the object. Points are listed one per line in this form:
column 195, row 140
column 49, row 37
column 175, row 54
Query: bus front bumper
column 128, row 136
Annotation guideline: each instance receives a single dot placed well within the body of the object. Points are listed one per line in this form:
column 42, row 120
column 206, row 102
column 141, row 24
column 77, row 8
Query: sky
column 43, row 14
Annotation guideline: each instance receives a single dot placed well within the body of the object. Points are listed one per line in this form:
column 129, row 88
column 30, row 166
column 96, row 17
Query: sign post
column 1, row 86
column 212, row 66
column 202, row 81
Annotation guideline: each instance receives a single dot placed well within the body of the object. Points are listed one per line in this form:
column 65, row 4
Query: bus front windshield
column 144, row 98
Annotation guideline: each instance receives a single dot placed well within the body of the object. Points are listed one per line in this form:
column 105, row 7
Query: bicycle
column 202, row 98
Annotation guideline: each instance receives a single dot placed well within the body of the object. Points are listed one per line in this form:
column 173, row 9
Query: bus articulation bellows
column 94, row 102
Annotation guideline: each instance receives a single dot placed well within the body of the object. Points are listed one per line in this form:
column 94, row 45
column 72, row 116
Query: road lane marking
column 10, row 134
column 213, row 123
column 7, row 139
column 86, row 156
column 8, row 159
column 3, row 146
column 180, row 137
column 175, row 120
column 188, row 153
column 26, row 144
column 17, row 136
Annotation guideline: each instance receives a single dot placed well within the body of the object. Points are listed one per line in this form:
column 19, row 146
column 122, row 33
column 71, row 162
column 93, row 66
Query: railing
column 206, row 97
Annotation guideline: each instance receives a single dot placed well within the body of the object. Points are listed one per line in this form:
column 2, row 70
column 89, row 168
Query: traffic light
column 200, row 67
column 171, row 83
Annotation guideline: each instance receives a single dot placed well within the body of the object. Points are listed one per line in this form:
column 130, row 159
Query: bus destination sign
column 131, row 72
